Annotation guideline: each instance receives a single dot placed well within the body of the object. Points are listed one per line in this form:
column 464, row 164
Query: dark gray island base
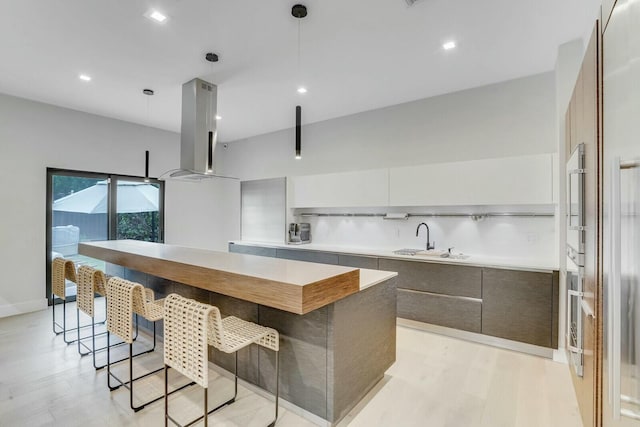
column 329, row 358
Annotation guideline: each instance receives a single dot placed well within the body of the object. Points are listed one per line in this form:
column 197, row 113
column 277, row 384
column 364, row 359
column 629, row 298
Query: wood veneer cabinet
column 583, row 118
column 520, row 306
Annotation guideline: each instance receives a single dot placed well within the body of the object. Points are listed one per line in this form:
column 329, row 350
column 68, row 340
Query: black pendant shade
column 298, row 132
column 210, row 154
column 146, row 166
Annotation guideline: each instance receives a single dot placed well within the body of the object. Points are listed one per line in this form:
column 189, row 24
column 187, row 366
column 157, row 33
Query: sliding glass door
column 86, row 206
column 138, row 214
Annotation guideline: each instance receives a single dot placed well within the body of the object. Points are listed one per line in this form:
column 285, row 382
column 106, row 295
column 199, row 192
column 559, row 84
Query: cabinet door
column 437, row 278
column 506, row 181
column 252, row 250
column 452, row 312
column 358, row 261
column 518, row 305
column 349, row 189
column 306, row 255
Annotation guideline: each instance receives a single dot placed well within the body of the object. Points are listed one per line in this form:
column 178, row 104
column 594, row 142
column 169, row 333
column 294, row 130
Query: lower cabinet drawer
column 452, row 312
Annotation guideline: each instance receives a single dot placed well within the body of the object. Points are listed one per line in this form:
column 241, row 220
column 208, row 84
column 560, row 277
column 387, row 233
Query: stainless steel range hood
column 198, row 132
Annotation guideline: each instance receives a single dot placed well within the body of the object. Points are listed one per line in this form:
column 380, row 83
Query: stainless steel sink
column 458, row 256
column 436, row 254
column 407, row 251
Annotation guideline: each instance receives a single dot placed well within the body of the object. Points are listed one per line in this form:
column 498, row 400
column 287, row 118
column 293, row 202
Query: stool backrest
column 89, row 280
column 216, row 330
column 186, row 326
column 62, row 269
column 120, row 298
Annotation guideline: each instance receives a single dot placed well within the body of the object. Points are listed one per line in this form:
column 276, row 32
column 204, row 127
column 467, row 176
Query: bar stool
column 90, row 282
column 62, row 270
column 189, row 327
column 124, row 299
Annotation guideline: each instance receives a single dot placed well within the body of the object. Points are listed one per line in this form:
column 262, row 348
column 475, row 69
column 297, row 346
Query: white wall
column 204, row 214
column 506, row 119
column 34, row 136
column 512, row 118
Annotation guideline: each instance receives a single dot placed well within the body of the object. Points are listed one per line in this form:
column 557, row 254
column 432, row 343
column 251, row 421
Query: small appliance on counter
column 299, row 233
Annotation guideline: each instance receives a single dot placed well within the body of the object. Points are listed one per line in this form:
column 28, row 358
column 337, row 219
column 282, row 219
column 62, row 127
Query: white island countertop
column 295, row 286
column 527, row 264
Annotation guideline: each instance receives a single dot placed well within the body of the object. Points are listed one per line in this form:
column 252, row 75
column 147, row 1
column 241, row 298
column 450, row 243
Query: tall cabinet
column 583, row 127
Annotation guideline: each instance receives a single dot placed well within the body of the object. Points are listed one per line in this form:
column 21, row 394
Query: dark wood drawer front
column 358, row 261
column 438, row 278
column 252, row 250
column 309, row 256
column 518, row 305
column 452, row 312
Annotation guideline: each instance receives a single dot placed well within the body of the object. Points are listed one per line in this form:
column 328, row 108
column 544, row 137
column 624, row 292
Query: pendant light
column 149, row 93
column 298, row 132
column 299, row 11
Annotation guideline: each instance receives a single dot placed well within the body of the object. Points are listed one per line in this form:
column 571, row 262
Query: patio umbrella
column 133, row 197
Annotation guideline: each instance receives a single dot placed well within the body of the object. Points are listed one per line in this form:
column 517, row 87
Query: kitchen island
column 337, row 324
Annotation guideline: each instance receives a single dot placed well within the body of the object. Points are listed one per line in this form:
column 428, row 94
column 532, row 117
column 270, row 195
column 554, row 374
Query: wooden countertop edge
column 284, row 296
column 319, row 294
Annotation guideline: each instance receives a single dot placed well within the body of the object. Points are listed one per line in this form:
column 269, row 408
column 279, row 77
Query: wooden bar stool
column 62, row 270
column 124, row 299
column 189, row 327
column 90, row 282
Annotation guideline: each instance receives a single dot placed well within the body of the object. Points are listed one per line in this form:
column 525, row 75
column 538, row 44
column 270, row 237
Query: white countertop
column 545, row 265
column 295, row 286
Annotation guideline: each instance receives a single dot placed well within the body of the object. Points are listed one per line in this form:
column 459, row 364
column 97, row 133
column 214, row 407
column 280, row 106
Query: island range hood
column 198, row 133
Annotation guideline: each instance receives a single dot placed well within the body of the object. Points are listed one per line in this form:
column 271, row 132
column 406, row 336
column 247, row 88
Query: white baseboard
column 7, row 310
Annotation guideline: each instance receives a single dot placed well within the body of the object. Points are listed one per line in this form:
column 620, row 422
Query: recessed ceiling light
column 302, row 89
column 84, row 77
column 449, row 45
column 218, row 117
column 156, row 16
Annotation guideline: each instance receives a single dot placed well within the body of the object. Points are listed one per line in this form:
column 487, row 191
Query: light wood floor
column 436, row 381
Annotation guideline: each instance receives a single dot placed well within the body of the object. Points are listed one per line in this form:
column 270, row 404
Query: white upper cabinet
column 367, row 188
column 504, row 181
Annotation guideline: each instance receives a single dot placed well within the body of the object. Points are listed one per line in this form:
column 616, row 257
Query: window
column 87, row 206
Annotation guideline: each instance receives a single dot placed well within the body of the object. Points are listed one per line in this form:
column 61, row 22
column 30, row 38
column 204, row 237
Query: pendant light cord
column 299, row 73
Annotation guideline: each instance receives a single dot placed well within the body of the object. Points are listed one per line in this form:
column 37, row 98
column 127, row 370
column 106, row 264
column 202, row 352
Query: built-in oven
column 575, row 258
column 575, row 327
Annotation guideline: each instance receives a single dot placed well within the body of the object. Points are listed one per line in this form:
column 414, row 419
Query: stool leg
column 277, row 387
column 64, row 321
column 78, row 332
column 235, row 374
column 53, row 310
column 206, row 406
column 109, row 366
column 131, row 380
column 166, row 396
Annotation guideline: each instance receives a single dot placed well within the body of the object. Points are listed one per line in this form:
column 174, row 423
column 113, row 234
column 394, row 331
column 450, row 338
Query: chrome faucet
column 429, row 246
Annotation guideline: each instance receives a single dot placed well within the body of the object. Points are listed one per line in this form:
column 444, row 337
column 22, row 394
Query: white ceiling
column 357, row 55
